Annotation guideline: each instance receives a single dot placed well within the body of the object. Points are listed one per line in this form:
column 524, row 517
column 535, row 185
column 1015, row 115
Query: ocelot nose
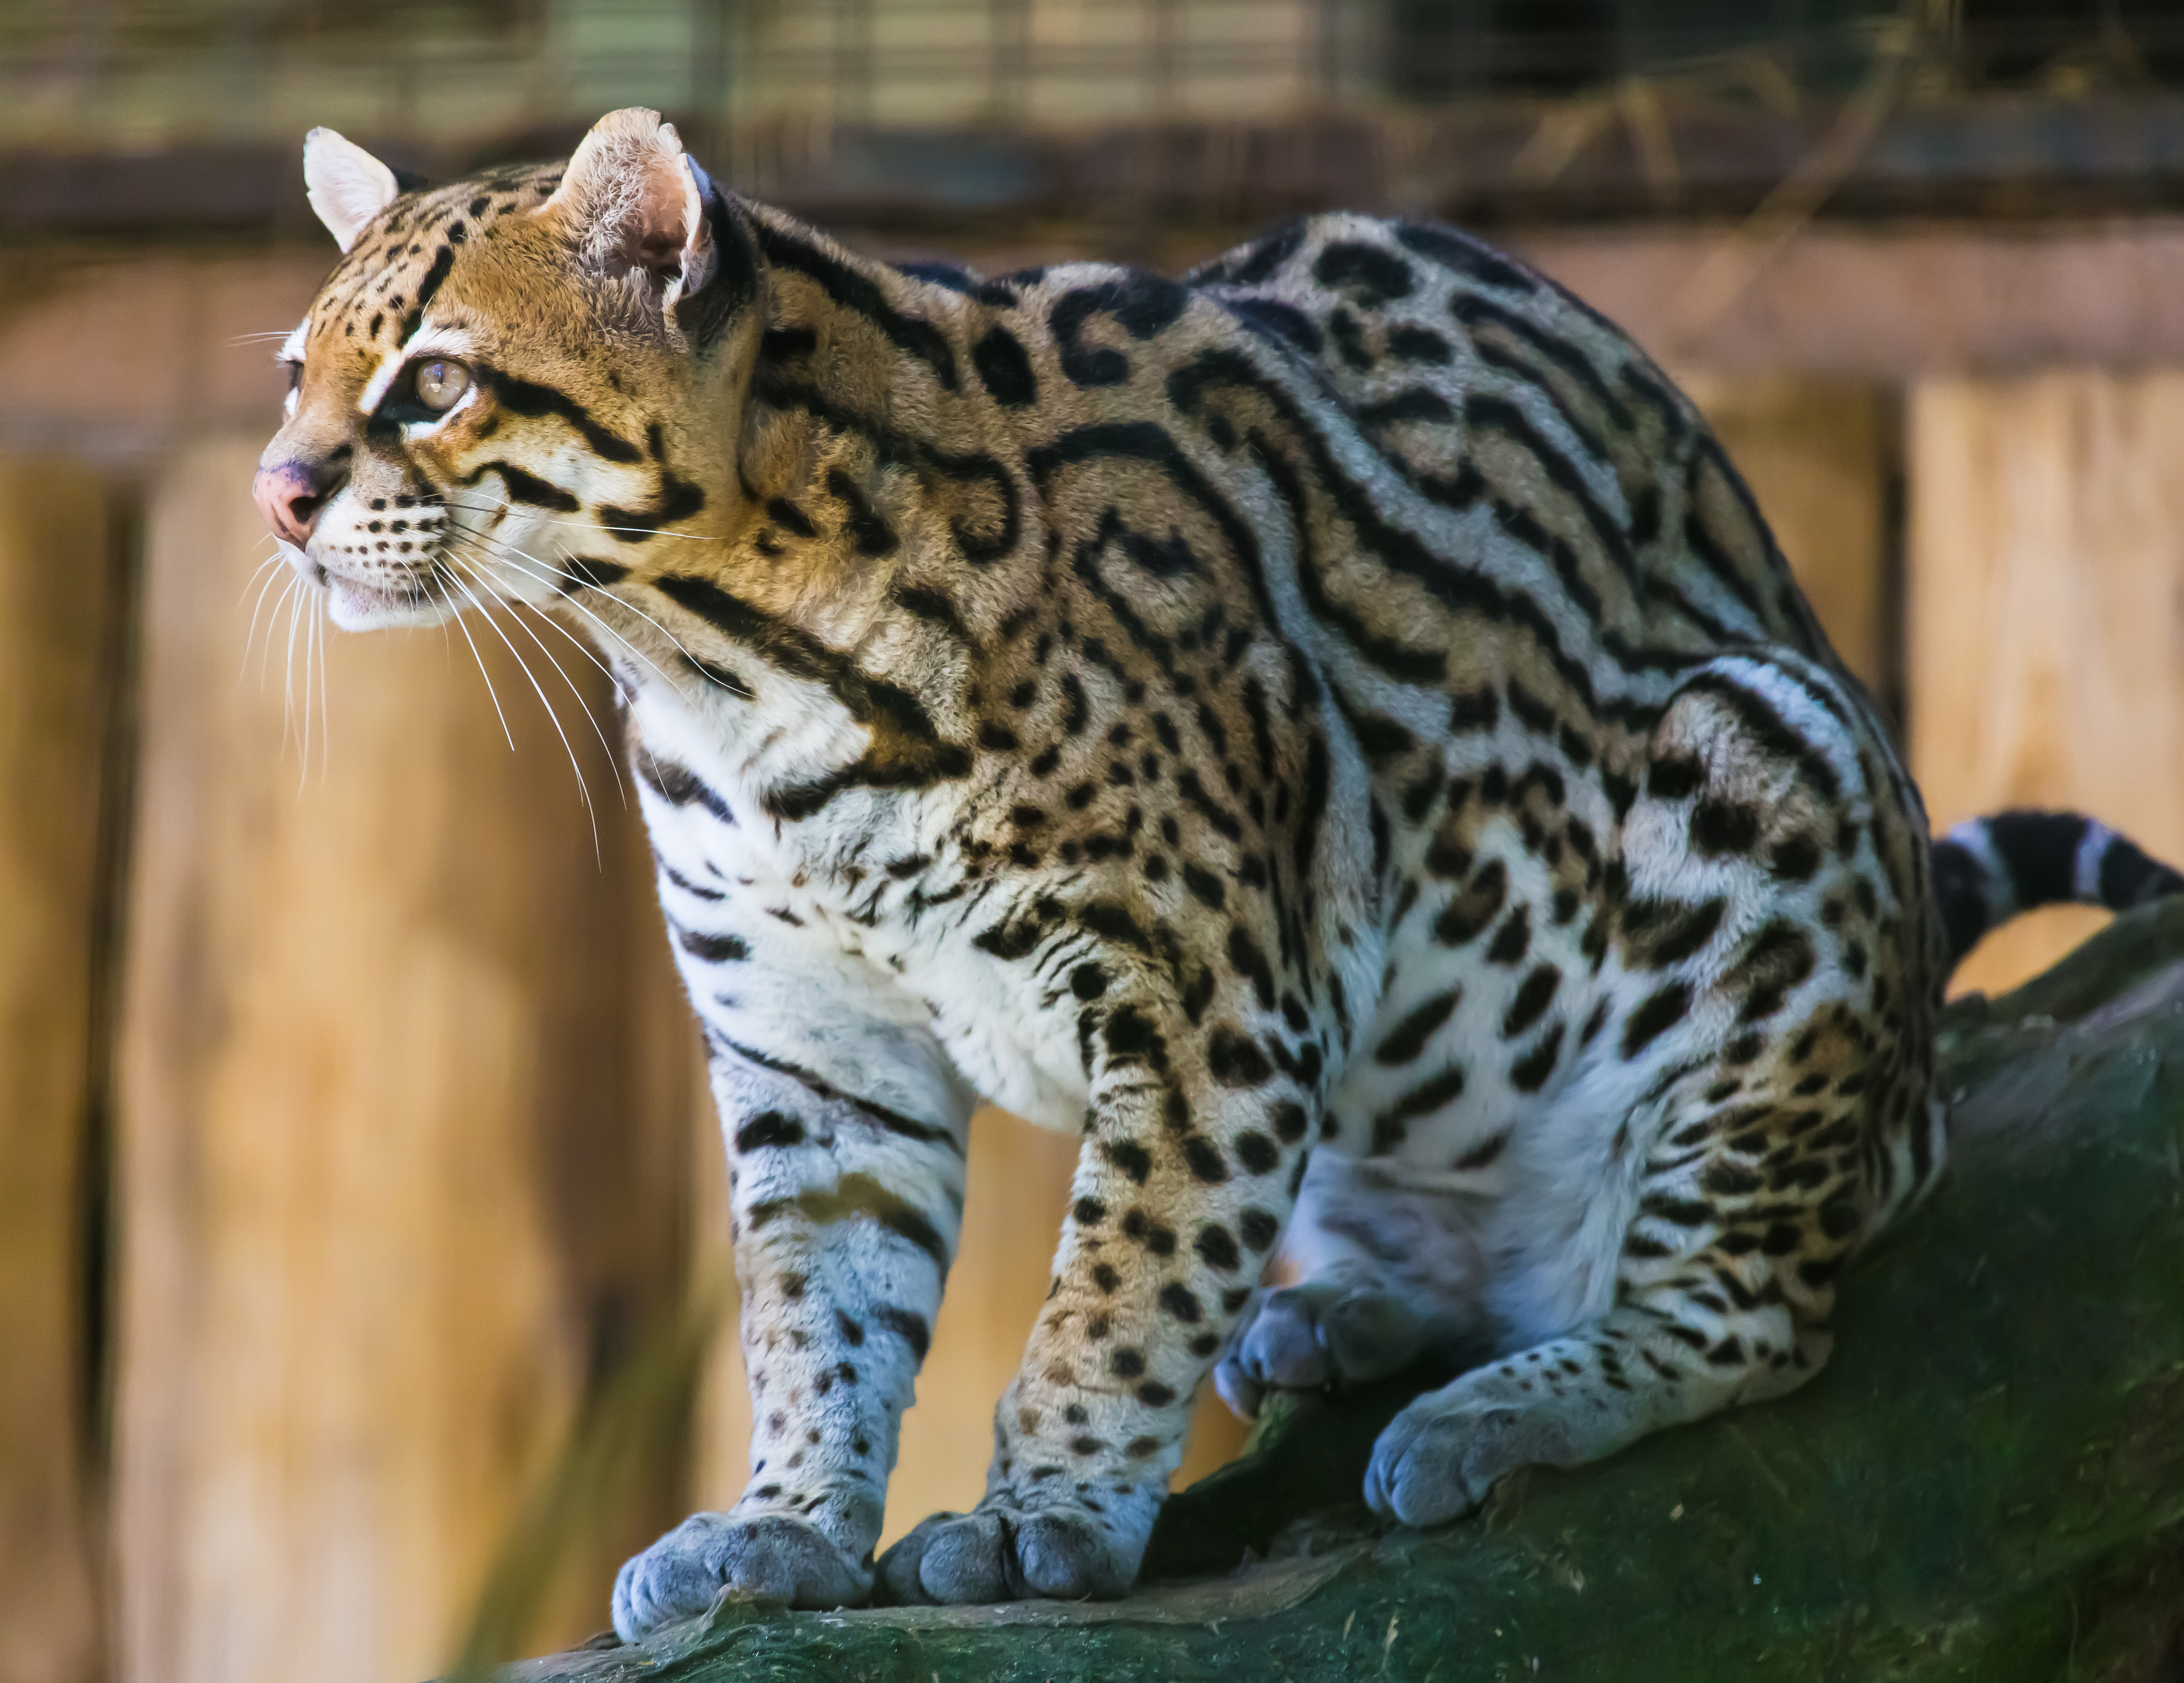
column 290, row 495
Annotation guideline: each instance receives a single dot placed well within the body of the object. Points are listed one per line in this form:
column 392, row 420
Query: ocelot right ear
column 634, row 204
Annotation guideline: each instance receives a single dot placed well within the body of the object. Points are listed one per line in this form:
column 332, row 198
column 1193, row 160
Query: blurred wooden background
column 354, row 1155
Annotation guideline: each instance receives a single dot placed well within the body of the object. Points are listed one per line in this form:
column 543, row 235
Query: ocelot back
column 1332, row 730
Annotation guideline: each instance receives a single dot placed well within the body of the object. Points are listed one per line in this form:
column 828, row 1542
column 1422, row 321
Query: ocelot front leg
column 1762, row 1080
column 846, row 1127
column 1197, row 1136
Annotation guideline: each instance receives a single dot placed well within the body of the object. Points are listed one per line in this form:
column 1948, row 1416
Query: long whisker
column 537, row 689
column 487, row 677
column 288, row 673
column 457, row 618
column 556, row 576
column 571, row 602
column 250, row 636
column 272, row 623
column 553, row 577
column 326, row 711
column 266, row 562
column 486, row 585
column 310, row 664
column 567, row 636
column 575, row 642
column 587, row 613
column 447, row 642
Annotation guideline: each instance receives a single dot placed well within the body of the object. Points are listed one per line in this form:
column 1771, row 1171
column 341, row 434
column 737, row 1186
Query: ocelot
column 1333, row 731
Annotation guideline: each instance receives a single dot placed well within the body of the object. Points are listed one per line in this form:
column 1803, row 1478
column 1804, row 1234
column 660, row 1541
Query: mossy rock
column 1987, row 1482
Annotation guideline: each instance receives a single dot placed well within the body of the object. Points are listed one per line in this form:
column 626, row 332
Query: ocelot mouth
column 307, row 569
column 359, row 605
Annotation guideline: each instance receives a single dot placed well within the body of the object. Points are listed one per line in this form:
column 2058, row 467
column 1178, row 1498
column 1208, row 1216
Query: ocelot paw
column 1324, row 1332
column 1003, row 1552
column 1440, row 1457
column 780, row 1556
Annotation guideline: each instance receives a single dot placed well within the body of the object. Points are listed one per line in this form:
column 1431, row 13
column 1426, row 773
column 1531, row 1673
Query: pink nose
column 290, row 497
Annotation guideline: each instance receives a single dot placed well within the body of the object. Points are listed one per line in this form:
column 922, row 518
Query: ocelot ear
column 634, row 206
column 347, row 185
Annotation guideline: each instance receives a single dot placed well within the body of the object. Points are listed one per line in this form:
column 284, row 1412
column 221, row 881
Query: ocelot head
column 512, row 383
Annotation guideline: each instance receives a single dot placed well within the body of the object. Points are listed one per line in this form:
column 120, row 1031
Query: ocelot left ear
column 345, row 185
column 634, row 205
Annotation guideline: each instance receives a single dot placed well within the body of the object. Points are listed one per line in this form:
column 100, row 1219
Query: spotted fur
column 1333, row 731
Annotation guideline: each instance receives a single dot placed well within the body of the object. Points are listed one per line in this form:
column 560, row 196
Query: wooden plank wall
column 2045, row 613
column 402, row 1147
column 58, row 591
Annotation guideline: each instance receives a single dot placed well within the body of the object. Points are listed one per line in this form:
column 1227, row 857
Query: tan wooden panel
column 1880, row 301
column 56, row 603
column 2046, row 632
column 397, row 1183
column 1814, row 454
column 1012, row 1211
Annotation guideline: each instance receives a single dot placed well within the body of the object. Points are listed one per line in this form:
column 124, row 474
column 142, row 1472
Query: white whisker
column 288, row 671
column 310, row 664
column 583, row 788
column 268, row 561
column 551, row 577
column 250, row 636
column 326, row 711
column 569, row 636
column 486, row 585
column 554, row 575
column 272, row 623
column 487, row 677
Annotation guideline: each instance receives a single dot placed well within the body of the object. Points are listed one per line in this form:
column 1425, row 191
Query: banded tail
column 1987, row 870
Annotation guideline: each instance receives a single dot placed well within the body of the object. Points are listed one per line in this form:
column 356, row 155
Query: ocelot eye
column 440, row 382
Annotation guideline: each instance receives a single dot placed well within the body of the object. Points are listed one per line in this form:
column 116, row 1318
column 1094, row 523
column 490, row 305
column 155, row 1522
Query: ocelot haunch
column 1332, row 731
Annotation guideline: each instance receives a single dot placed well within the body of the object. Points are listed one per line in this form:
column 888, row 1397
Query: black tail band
column 1987, row 870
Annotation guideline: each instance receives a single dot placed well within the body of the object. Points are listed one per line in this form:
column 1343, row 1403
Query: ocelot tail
column 1332, row 731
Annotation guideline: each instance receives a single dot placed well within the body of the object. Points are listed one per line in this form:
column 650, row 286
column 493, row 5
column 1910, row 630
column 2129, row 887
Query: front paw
column 777, row 1556
column 1439, row 1459
column 1000, row 1553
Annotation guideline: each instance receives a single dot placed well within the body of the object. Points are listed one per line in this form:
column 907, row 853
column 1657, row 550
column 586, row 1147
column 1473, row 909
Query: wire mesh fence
column 125, row 75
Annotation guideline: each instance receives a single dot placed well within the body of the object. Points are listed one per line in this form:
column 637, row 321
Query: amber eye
column 440, row 382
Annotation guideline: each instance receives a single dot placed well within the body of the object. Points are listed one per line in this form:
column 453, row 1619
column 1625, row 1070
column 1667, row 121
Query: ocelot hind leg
column 1390, row 1268
column 1762, row 1087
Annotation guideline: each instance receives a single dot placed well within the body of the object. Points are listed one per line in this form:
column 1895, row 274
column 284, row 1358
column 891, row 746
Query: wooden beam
column 60, row 600
column 402, row 1187
column 2046, row 649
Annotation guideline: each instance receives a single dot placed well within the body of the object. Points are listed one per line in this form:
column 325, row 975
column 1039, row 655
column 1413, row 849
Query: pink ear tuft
column 629, row 197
